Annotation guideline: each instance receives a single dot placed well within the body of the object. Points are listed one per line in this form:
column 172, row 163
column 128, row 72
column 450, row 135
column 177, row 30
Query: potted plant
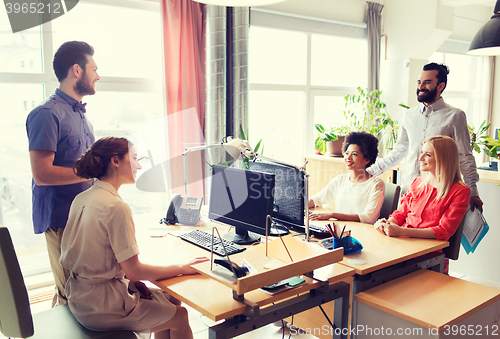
column 324, row 139
column 336, row 145
column 490, row 145
column 374, row 117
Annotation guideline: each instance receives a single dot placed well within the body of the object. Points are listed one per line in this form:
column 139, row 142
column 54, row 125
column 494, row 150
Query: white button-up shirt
column 419, row 123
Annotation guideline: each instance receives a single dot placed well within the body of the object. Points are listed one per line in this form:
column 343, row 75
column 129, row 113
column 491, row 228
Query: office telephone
column 233, row 267
column 183, row 210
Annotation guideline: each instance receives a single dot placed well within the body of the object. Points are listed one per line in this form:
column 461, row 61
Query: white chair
column 391, row 198
column 16, row 319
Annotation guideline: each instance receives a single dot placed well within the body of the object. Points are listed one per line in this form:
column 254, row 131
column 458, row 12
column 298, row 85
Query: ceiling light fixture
column 487, row 39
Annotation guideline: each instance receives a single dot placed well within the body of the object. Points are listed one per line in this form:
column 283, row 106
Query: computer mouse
column 227, row 264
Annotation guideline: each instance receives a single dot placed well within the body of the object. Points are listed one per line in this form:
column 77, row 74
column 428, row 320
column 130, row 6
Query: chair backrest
column 391, row 198
column 453, row 250
column 15, row 313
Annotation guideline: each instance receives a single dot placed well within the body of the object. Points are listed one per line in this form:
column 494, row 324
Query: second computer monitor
column 289, row 192
column 243, row 199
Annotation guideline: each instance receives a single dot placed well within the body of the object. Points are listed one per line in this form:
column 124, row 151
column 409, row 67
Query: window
column 332, row 66
column 269, row 65
column 463, row 90
column 15, row 49
column 297, row 79
column 127, row 40
column 466, row 86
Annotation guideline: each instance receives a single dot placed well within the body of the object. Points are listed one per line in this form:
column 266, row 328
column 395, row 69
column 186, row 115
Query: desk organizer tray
column 349, row 244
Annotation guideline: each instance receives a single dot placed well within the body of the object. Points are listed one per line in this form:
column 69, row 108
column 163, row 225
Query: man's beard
column 84, row 87
column 428, row 97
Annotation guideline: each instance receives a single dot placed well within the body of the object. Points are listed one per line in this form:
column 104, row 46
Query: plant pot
column 334, row 148
column 317, row 151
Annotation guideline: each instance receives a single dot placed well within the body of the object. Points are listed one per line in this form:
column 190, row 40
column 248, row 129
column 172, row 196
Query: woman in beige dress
column 99, row 248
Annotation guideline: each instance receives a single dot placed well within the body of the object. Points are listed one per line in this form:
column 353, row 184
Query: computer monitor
column 243, row 199
column 289, row 192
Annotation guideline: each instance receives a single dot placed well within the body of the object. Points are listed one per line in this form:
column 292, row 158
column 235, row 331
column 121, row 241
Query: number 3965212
column 33, row 8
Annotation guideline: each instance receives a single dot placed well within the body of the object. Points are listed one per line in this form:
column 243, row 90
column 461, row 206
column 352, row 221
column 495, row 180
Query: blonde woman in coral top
column 435, row 204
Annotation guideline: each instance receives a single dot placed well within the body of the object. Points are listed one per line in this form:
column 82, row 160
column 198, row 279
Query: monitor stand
column 242, row 238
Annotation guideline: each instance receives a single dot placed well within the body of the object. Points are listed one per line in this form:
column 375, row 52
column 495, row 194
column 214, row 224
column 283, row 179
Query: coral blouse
column 419, row 208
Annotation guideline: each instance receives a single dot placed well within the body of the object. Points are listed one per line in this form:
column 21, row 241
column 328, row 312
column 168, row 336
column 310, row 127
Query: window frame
column 309, row 27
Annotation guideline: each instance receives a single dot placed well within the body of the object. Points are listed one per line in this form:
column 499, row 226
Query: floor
column 200, row 323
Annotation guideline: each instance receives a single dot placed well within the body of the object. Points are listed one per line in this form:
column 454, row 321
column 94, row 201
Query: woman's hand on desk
column 320, row 216
column 186, row 269
column 388, row 228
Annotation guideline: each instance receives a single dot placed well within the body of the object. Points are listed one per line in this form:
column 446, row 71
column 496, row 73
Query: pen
column 334, row 229
column 329, row 230
column 341, row 234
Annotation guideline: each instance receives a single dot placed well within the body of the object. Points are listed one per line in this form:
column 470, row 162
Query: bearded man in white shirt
column 432, row 117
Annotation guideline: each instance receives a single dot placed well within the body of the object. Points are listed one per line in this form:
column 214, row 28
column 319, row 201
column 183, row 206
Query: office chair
column 391, row 198
column 453, row 250
column 16, row 319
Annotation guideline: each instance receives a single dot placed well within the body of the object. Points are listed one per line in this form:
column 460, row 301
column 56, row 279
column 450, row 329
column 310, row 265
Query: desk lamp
column 236, row 148
column 487, row 39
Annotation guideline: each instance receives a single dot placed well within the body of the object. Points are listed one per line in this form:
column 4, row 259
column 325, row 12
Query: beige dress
column 100, row 234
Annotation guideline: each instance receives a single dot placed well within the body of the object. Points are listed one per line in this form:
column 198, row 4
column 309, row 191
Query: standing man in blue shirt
column 59, row 133
column 432, row 117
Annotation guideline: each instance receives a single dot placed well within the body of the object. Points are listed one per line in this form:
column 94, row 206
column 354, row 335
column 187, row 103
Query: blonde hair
column 447, row 163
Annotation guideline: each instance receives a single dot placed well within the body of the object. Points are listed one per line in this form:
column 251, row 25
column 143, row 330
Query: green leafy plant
column 490, row 146
column 374, row 116
column 324, row 135
column 477, row 135
column 258, row 146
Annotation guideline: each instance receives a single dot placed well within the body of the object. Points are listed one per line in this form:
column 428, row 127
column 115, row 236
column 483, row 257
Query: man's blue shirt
column 54, row 126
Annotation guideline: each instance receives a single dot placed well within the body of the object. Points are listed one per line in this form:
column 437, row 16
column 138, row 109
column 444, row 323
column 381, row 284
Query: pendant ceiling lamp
column 239, row 3
column 487, row 39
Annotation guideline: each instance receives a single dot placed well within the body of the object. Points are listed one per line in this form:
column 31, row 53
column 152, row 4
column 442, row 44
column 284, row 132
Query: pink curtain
column 185, row 73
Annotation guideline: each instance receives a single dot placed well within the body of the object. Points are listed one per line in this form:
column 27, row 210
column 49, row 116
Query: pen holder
column 349, row 244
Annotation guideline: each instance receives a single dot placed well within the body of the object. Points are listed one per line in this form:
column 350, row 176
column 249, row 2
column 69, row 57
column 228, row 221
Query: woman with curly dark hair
column 358, row 196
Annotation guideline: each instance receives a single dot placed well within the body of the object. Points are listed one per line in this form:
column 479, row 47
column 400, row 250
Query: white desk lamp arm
column 189, row 149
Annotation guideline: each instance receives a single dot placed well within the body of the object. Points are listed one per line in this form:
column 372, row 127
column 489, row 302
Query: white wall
column 483, row 261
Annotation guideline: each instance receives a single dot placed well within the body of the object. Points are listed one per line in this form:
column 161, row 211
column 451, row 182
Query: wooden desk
column 386, row 259
column 214, row 298
column 429, row 305
column 380, row 251
column 489, row 176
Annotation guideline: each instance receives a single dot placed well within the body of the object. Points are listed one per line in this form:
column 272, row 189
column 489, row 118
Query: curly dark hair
column 68, row 54
column 94, row 163
column 366, row 141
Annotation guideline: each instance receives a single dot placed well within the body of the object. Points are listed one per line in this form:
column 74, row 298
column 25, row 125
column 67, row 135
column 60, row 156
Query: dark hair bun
column 89, row 166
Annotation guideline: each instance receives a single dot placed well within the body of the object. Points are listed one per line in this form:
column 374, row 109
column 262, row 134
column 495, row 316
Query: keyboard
column 318, row 231
column 204, row 240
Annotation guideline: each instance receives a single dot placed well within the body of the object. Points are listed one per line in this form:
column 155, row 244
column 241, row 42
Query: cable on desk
column 277, row 231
